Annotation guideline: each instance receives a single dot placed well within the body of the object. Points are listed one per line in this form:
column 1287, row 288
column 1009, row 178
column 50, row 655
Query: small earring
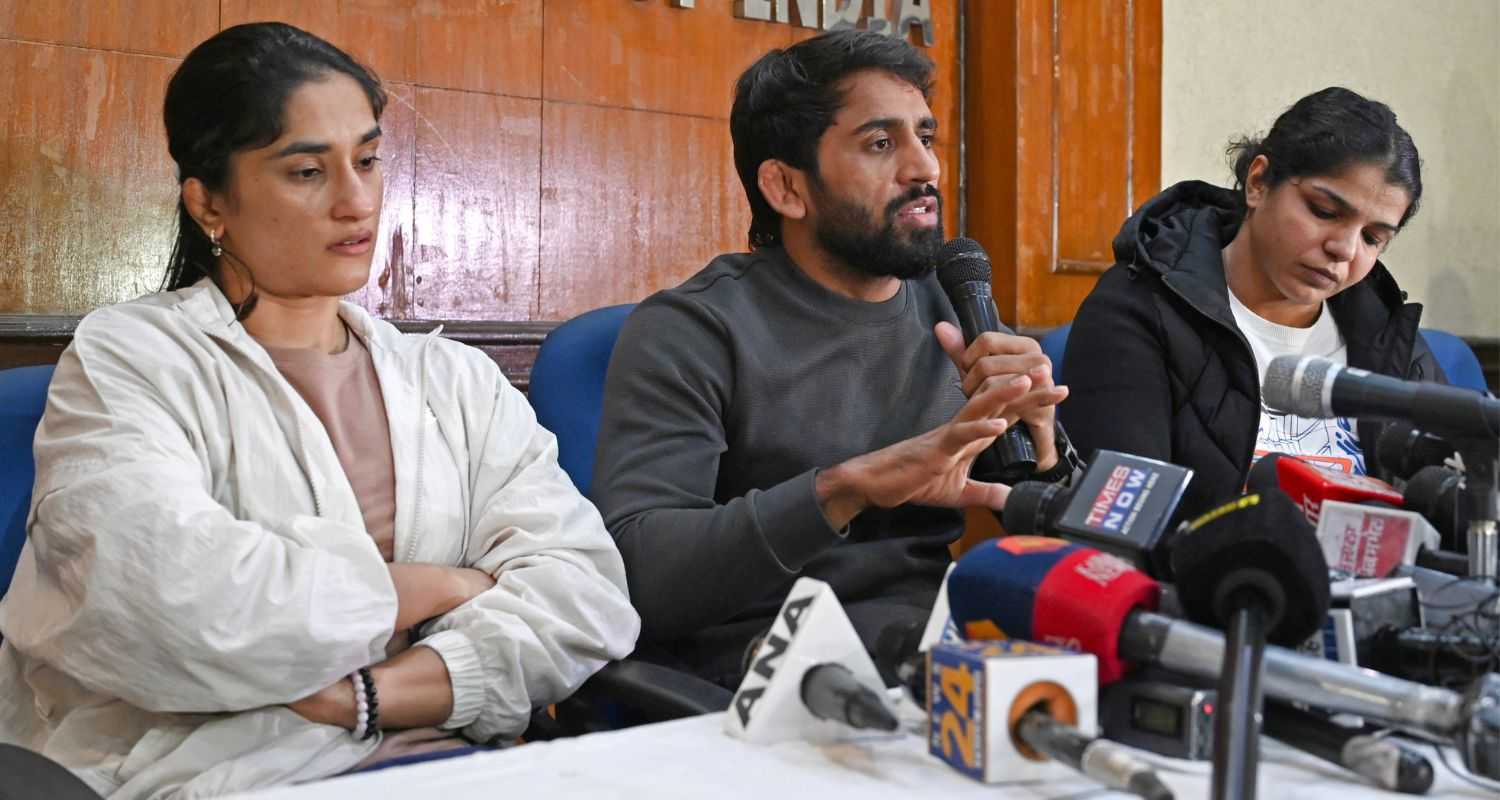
column 213, row 239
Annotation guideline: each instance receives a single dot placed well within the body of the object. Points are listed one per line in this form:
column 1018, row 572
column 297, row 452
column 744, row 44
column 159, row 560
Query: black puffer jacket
column 1157, row 367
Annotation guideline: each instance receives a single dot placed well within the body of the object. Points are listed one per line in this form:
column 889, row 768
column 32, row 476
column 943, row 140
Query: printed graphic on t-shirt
column 1329, row 443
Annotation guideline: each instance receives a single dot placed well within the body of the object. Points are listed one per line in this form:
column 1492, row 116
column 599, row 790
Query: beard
column 848, row 232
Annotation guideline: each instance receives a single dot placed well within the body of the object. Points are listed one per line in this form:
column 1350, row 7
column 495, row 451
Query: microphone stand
column 1236, row 753
column 1482, row 467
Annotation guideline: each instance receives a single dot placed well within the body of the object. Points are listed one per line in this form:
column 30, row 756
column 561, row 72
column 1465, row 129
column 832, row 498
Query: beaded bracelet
column 361, row 706
column 371, row 705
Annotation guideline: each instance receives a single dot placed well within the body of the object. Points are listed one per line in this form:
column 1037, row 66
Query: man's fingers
column 952, row 342
column 995, row 343
column 963, row 434
column 979, row 493
column 993, row 396
column 1033, row 365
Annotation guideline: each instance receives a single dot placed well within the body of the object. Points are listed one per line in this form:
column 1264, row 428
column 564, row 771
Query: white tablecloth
column 693, row 758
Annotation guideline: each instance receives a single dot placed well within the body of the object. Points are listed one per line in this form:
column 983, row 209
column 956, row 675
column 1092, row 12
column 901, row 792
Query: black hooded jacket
column 1157, row 367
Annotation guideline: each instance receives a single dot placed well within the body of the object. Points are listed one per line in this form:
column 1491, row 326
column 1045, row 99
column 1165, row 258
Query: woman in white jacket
column 267, row 527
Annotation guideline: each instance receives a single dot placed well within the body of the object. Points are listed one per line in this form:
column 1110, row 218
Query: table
column 693, row 758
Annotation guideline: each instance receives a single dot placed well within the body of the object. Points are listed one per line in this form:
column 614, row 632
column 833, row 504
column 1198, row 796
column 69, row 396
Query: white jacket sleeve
column 559, row 609
column 141, row 586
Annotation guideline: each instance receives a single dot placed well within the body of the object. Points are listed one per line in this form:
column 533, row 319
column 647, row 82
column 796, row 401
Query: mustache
column 916, row 193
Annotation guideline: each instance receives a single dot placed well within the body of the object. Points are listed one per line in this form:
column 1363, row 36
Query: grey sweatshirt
column 724, row 397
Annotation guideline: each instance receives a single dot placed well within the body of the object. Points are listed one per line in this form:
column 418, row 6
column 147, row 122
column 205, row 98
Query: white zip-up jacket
column 196, row 558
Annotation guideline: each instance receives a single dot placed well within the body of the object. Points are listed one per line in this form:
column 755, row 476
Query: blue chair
column 1054, row 344
column 567, row 385
column 1456, row 358
column 567, row 393
column 23, row 394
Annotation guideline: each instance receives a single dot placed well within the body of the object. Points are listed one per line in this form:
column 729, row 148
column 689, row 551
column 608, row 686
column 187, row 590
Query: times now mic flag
column 810, row 629
column 1371, row 542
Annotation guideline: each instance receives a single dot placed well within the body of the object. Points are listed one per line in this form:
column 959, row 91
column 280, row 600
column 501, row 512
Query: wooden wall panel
column 637, row 211
column 387, row 291
column 650, row 55
column 640, row 160
column 480, row 46
column 88, row 202
column 378, row 33
column 159, row 27
column 477, row 206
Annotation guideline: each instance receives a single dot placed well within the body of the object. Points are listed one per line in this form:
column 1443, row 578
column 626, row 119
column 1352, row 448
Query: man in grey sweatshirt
column 810, row 408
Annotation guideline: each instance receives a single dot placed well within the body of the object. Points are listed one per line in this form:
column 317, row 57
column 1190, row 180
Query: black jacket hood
column 1180, row 232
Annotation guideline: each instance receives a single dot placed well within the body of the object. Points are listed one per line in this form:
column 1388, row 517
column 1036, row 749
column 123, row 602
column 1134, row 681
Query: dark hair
column 230, row 95
column 787, row 99
column 1327, row 131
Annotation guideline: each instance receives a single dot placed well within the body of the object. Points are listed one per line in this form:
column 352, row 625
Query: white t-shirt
column 1330, row 443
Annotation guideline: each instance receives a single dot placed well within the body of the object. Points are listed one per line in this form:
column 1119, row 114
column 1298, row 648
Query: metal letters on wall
column 832, row 15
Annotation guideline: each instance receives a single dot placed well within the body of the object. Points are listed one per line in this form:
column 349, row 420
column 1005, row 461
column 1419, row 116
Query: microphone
column 1381, row 759
column 1401, row 450
column 964, row 272
column 830, row 691
column 1093, row 756
column 1176, row 721
column 1249, row 568
column 809, row 677
column 1309, row 485
column 1256, row 550
column 1435, row 656
column 1371, row 542
column 1373, row 529
column 1318, row 388
column 1079, row 598
column 1122, row 504
column 1438, row 494
column 998, row 711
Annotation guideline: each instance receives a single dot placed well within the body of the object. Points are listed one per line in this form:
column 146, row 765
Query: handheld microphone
column 1309, row 485
column 1028, row 587
column 1122, row 504
column 1249, row 568
column 1435, row 656
column 1381, row 759
column 1401, row 450
column 1093, row 756
column 1318, row 388
column 964, row 272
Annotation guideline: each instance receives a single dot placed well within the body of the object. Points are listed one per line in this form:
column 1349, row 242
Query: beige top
column 344, row 393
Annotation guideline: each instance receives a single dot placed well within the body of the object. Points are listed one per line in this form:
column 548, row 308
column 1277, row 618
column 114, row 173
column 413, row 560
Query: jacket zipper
column 416, row 506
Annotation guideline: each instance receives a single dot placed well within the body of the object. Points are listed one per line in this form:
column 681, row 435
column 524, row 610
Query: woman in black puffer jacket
column 1166, row 356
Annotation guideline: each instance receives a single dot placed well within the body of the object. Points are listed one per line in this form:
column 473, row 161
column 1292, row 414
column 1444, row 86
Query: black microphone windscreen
column 1434, row 492
column 1026, row 507
column 1263, row 476
column 962, row 261
column 1263, row 543
column 1401, row 450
